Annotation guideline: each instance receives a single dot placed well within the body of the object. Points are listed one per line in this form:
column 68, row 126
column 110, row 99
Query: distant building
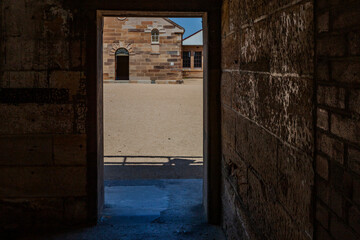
column 149, row 50
column 192, row 55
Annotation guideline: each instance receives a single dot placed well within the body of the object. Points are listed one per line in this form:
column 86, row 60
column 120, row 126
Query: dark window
column 197, row 60
column 186, row 59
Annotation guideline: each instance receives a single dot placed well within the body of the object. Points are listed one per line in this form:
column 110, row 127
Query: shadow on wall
column 153, row 167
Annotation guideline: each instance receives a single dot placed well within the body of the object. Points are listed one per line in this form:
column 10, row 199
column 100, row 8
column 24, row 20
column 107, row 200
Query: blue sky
column 191, row 25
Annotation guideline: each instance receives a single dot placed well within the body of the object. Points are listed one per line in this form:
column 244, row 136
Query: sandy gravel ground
column 163, row 120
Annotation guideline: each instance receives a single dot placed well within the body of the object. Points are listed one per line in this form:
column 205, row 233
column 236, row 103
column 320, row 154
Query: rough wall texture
column 338, row 120
column 267, row 90
column 160, row 62
column 43, row 114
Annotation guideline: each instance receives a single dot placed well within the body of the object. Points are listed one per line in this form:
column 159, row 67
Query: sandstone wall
column 193, row 72
column 267, row 90
column 154, row 62
column 43, row 140
column 338, row 120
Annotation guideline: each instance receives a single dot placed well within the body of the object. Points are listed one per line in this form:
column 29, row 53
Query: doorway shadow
column 153, row 167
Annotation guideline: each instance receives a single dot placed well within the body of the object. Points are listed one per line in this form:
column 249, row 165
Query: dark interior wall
column 267, row 99
column 338, row 120
column 50, row 104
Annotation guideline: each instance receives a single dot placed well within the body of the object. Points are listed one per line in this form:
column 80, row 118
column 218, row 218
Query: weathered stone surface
column 354, row 160
column 75, row 210
column 226, row 88
column 322, row 119
column 34, row 118
column 42, row 181
column 322, row 167
column 295, row 184
column 346, row 128
column 230, row 51
column 66, row 79
column 69, row 149
column 331, row 147
column 354, row 101
column 26, row 150
column 331, row 96
column 345, row 71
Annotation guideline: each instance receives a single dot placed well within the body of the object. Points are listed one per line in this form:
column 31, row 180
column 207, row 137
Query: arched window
column 155, row 36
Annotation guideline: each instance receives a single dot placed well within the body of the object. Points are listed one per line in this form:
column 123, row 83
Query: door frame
column 211, row 112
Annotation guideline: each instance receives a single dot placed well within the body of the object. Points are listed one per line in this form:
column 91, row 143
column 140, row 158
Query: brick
column 42, row 181
column 70, row 149
column 356, row 191
column 323, row 22
column 354, row 100
column 354, row 218
column 346, row 128
column 334, row 46
column 322, row 234
column 26, row 150
column 331, row 147
column 331, row 96
column 322, row 215
column 340, row 231
column 322, row 119
column 354, row 43
column 354, row 160
column 345, row 18
column 336, row 203
column 346, row 71
column 322, row 167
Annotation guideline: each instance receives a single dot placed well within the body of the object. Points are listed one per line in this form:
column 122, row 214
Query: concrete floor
column 153, row 131
column 148, row 210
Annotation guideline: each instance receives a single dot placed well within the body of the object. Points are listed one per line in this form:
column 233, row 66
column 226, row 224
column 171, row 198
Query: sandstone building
column 149, row 50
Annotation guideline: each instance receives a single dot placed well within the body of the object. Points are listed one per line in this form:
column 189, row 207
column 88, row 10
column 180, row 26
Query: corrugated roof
column 195, row 39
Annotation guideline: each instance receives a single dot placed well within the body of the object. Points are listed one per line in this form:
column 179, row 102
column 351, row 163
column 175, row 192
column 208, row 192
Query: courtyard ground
column 153, row 130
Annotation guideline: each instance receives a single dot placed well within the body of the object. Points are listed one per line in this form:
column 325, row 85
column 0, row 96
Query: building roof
column 175, row 24
column 195, row 39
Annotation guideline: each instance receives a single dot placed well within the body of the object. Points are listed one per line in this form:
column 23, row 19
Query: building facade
column 192, row 55
column 142, row 50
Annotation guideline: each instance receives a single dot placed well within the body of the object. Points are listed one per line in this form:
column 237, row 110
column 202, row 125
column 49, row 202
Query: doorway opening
column 148, row 108
column 122, row 64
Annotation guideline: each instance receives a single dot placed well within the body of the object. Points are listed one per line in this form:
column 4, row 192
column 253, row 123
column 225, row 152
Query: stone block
column 75, row 210
column 226, row 88
column 322, row 120
column 356, row 191
column 323, row 22
column 322, row 215
column 286, row 29
column 331, row 96
column 66, row 79
column 343, row 18
column 354, row 218
column 354, row 100
column 336, row 203
column 26, row 150
column 36, row 119
column 322, row 71
column 295, row 184
column 70, row 149
column 346, row 128
column 17, row 212
column 228, row 127
column 230, row 51
column 354, row 160
column 322, row 190
column 42, row 181
column 258, row 148
column 354, row 43
column 331, row 147
column 333, row 46
column 322, row 167
column 339, row 230
column 345, row 71
column 322, row 234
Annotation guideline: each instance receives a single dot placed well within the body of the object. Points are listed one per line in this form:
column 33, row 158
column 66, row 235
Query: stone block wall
column 267, row 89
column 159, row 63
column 43, row 140
column 338, row 120
column 193, row 72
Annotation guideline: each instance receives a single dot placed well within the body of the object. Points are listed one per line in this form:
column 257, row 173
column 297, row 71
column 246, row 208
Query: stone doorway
column 122, row 64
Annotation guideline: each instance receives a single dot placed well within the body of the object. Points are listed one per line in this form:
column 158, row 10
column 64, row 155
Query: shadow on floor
column 153, row 167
